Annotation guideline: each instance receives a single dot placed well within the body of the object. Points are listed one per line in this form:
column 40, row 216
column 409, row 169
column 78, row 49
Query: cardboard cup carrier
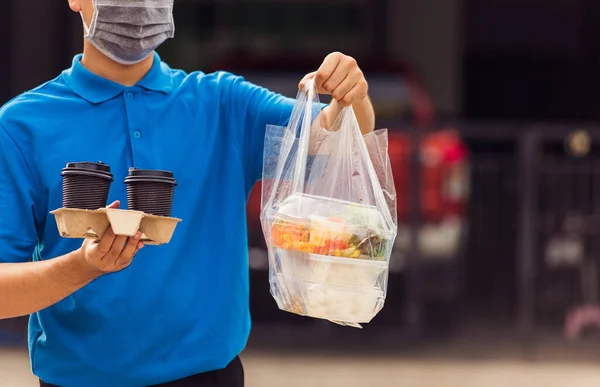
column 86, row 186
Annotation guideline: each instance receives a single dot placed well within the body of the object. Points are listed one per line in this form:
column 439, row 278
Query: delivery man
column 178, row 315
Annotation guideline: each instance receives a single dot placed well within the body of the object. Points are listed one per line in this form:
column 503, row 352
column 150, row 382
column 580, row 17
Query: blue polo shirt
column 179, row 309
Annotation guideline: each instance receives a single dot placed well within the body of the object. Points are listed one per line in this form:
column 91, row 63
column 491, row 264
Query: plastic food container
column 333, row 303
column 329, row 227
column 328, row 270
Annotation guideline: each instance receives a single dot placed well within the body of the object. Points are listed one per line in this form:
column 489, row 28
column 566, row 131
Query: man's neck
column 126, row 75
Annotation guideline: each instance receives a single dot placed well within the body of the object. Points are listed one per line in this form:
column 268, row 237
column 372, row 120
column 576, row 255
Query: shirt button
column 137, row 134
column 130, row 96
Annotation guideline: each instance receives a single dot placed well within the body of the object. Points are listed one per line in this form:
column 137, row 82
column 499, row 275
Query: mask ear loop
column 172, row 20
column 90, row 29
column 85, row 26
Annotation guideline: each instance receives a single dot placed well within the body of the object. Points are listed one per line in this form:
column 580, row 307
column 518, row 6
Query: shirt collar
column 96, row 89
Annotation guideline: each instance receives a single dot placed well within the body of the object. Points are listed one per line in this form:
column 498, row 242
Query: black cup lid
column 89, row 166
column 85, row 168
column 150, row 175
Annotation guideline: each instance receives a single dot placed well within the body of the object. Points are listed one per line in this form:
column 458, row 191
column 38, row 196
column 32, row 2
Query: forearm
column 26, row 288
column 363, row 110
column 365, row 114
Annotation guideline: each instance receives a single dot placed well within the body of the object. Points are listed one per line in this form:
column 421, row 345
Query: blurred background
column 494, row 117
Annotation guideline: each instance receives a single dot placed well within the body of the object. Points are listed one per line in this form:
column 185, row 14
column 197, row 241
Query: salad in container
column 329, row 242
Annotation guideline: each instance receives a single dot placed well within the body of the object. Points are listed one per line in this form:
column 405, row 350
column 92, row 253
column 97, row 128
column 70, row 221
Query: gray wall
column 429, row 34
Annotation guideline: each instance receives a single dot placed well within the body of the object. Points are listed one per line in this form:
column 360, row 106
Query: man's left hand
column 340, row 77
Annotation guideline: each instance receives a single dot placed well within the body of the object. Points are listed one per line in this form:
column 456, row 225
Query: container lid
column 86, row 165
column 150, row 172
column 86, row 168
column 150, row 175
column 354, row 215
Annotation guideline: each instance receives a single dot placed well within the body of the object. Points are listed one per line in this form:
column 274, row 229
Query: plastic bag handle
column 304, row 141
column 377, row 190
column 304, row 101
column 310, row 94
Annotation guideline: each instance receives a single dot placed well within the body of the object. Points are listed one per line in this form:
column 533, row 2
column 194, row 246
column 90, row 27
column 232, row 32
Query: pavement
column 265, row 369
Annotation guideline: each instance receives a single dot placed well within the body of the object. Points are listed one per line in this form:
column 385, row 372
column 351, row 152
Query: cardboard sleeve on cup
column 78, row 224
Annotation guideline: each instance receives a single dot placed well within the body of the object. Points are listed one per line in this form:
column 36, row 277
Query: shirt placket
column 135, row 118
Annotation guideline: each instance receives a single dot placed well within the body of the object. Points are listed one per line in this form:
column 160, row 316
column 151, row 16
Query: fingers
column 358, row 93
column 341, row 77
column 127, row 260
column 344, row 87
column 115, row 249
column 106, row 242
column 128, row 252
column 140, row 246
column 116, row 204
column 326, row 70
column 344, row 75
column 113, row 252
column 307, row 77
column 345, row 97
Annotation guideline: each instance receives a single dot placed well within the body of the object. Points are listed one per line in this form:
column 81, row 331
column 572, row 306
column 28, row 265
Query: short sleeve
column 249, row 110
column 18, row 236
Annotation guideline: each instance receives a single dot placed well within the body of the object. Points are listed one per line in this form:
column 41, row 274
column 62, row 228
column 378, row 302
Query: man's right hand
column 29, row 287
column 111, row 253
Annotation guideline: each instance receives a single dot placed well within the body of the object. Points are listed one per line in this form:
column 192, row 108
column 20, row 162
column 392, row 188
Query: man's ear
column 75, row 5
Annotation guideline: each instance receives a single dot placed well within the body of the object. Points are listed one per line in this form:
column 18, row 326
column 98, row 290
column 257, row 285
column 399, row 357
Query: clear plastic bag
column 328, row 215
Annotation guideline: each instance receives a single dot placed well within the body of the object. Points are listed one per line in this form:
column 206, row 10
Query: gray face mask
column 127, row 31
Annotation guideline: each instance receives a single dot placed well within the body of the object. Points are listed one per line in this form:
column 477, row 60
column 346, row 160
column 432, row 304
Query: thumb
column 115, row 204
column 306, row 78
